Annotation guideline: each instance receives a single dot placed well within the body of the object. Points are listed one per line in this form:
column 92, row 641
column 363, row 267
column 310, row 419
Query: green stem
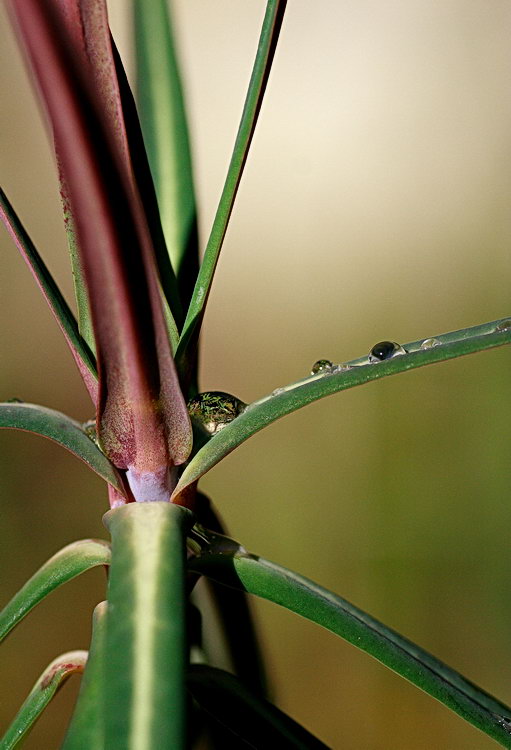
column 146, row 635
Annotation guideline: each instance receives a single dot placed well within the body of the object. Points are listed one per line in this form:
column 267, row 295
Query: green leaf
column 227, row 562
column 171, row 301
column 64, row 431
column 265, row 51
column 86, row 727
column 146, row 630
column 285, row 400
column 163, row 119
column 249, row 718
column 81, row 352
column 41, row 694
column 65, row 565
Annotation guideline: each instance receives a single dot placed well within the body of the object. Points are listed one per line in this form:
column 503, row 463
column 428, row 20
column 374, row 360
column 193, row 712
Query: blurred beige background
column 375, row 205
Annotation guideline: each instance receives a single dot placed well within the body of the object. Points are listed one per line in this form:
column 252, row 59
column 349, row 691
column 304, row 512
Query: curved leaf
column 146, row 629
column 64, row 431
column 285, row 400
column 65, row 565
column 163, row 120
column 83, row 356
column 227, row 562
column 265, row 52
column 246, row 715
column 86, row 727
column 41, row 694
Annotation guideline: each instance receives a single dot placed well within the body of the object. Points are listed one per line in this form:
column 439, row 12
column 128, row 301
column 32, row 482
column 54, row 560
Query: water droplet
column 385, row 350
column 89, row 428
column 278, row 391
column 430, row 343
column 320, row 366
column 340, row 368
column 215, row 409
column 504, row 325
column 14, row 400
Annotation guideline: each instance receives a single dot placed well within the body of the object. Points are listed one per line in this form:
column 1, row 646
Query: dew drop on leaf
column 430, row 343
column 320, row 366
column 213, row 410
column 89, row 428
column 385, row 350
column 340, row 368
column 504, row 325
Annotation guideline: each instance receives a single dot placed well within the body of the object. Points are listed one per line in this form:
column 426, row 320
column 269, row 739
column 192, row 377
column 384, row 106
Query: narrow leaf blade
column 65, row 565
column 230, row 564
column 285, row 400
column 143, row 179
column 81, row 352
column 164, row 125
column 266, row 49
column 249, row 717
column 41, row 694
column 62, row 430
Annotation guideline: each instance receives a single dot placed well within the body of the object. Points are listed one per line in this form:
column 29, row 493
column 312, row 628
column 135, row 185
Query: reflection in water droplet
column 503, row 326
column 14, row 400
column 215, row 409
column 430, row 343
column 320, row 366
column 385, row 350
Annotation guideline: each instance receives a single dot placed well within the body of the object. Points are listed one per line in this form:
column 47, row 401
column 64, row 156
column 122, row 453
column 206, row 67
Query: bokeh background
column 375, row 205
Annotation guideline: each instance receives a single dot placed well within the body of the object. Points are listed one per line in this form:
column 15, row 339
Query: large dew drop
column 503, row 326
column 213, row 410
column 320, row 366
column 385, row 350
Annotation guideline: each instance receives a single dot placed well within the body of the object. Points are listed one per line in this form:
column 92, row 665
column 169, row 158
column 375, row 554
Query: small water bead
column 213, row 410
column 340, row 368
column 385, row 350
column 430, row 343
column 503, row 326
column 321, row 365
column 89, row 428
column 278, row 391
